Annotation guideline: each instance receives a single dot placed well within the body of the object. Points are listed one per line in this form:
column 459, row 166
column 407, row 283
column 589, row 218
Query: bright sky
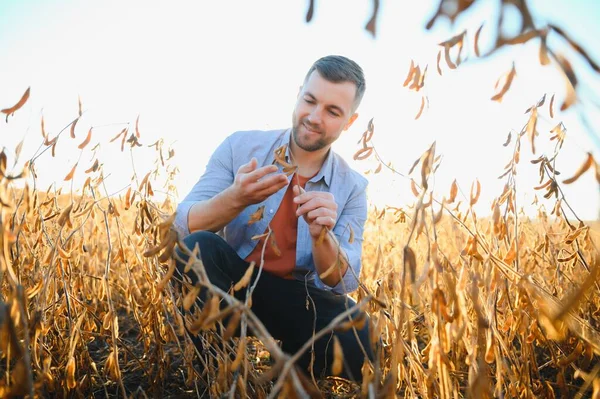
column 198, row 71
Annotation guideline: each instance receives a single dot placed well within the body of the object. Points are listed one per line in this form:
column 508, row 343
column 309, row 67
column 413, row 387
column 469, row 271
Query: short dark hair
column 336, row 69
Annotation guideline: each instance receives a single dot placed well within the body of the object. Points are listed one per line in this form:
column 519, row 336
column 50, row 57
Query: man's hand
column 319, row 209
column 252, row 185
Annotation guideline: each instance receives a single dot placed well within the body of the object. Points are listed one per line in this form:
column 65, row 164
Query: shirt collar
column 327, row 167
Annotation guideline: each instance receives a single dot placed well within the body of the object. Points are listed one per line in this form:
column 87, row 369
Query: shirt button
column 271, row 211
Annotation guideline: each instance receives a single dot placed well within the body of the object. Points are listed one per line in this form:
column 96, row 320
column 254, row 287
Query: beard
column 303, row 141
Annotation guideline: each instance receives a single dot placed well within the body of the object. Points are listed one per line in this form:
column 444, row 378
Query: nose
column 314, row 118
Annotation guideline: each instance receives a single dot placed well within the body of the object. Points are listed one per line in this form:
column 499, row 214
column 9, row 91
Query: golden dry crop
column 460, row 306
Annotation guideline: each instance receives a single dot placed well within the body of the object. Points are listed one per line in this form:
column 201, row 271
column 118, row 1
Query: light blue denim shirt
column 347, row 186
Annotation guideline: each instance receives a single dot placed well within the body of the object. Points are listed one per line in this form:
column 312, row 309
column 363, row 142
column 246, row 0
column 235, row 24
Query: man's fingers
column 248, row 167
column 279, row 180
column 326, row 221
column 306, row 196
column 267, row 192
column 320, row 212
column 261, row 172
column 314, row 203
column 298, row 190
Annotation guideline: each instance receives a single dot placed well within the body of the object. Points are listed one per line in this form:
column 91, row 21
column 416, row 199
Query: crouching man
column 311, row 209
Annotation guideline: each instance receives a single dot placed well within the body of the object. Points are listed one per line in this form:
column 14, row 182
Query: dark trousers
column 281, row 305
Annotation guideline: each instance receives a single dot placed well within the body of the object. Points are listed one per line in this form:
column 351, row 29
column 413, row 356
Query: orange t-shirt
column 285, row 229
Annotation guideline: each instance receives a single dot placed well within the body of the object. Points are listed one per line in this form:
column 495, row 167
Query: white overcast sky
column 196, row 71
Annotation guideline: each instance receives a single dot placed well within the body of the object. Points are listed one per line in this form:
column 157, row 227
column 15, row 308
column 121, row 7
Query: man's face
column 323, row 110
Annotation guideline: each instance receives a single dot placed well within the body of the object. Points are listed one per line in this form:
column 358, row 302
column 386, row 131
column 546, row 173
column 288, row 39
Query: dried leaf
column 245, row 280
column 321, row 237
column 416, row 79
column 44, row 134
column 512, row 253
column 338, row 357
column 274, row 245
column 570, row 98
column 559, row 132
column 454, row 40
column 62, row 253
column 411, row 73
column 476, row 41
column 329, row 270
column 508, row 139
column 410, row 263
column 239, row 354
column 311, row 10
column 19, row 148
column 451, row 65
column 413, row 188
column 363, row 153
column 232, row 325
column 3, row 161
column 531, row 129
column 280, row 158
column 414, row 165
column 94, row 168
column 22, row 101
column 123, row 142
column 573, row 235
column 421, row 108
column 543, row 55
column 567, row 258
column 137, row 130
column 507, row 83
column 149, row 190
column 453, row 191
column 144, row 181
column 542, row 101
column 71, row 173
column 167, row 277
column 190, row 297
column 257, row 215
column 551, row 106
column 70, row 373
column 475, row 194
column 372, row 24
column 589, row 161
column 543, row 186
column 439, row 57
column 65, row 216
column 73, row 128
column 86, row 141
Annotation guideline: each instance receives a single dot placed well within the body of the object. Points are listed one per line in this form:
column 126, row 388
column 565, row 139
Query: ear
column 351, row 121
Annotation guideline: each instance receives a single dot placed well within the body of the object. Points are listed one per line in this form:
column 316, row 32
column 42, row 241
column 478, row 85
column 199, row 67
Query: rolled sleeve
column 217, row 177
column 181, row 218
column 353, row 216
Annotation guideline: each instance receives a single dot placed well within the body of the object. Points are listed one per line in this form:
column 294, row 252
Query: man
column 311, row 216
